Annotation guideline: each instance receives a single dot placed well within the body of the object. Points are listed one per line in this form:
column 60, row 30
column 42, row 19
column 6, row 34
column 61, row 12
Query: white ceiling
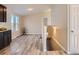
column 21, row 9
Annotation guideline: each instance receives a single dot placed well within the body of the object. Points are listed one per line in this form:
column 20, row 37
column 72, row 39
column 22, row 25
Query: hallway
column 27, row 45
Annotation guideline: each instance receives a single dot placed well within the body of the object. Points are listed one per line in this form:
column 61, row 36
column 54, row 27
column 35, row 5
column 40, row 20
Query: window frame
column 14, row 23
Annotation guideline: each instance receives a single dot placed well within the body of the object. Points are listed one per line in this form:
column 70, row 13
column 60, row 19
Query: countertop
column 3, row 30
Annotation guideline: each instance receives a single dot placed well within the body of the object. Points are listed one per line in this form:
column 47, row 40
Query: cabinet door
column 4, row 14
column 1, row 40
column 1, row 14
column 7, row 37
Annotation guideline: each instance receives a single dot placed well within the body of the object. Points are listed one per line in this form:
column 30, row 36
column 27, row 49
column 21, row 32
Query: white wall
column 32, row 22
column 59, row 20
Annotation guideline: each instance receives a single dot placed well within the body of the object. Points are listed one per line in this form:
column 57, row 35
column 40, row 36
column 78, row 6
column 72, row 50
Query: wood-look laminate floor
column 27, row 45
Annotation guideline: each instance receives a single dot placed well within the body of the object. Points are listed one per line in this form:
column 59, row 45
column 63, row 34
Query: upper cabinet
column 3, row 15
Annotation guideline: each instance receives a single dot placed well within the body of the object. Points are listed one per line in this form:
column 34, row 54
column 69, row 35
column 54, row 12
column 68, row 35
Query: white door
column 74, row 29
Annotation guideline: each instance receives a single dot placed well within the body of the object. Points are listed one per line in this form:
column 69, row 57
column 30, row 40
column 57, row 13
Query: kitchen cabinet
column 3, row 13
column 1, row 40
column 5, row 38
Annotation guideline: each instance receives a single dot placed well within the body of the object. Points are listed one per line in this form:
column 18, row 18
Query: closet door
column 74, row 29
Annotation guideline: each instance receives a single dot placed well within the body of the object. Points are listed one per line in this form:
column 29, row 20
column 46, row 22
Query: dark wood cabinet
column 1, row 40
column 3, row 13
column 5, row 38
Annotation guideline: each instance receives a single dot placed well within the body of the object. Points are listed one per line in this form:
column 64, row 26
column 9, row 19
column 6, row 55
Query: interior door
column 74, row 29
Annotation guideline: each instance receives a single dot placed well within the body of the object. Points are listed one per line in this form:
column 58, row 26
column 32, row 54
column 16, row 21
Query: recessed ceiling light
column 30, row 9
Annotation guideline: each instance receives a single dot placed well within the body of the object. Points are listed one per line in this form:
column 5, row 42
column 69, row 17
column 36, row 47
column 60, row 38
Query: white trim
column 59, row 45
column 68, row 29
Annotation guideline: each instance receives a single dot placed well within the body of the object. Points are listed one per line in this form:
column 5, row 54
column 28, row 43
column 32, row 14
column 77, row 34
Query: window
column 14, row 23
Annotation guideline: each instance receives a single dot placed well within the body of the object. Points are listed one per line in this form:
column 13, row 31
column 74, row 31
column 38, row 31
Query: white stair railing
column 44, row 38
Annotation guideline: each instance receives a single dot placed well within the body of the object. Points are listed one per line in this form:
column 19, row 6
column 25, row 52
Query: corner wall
column 59, row 20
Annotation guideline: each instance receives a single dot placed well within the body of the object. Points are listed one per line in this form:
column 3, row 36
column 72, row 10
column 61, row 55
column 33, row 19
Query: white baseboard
column 59, row 45
column 16, row 36
column 33, row 33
